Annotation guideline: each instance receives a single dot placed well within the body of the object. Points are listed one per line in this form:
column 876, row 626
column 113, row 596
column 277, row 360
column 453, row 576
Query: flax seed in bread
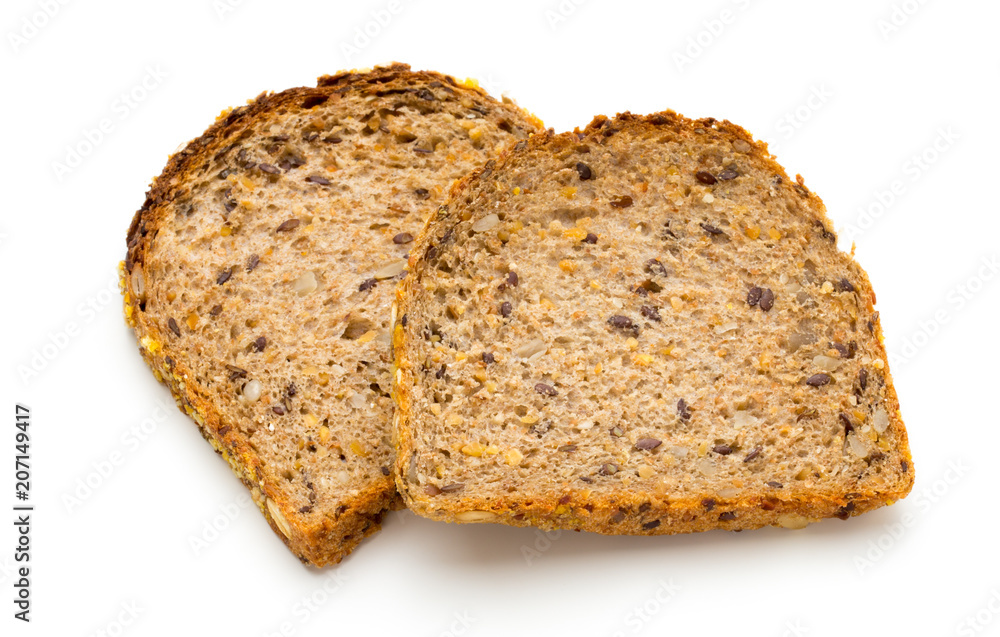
column 261, row 268
column 642, row 328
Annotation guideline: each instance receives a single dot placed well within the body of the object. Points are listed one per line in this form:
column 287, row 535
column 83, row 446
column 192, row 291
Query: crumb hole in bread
column 356, row 328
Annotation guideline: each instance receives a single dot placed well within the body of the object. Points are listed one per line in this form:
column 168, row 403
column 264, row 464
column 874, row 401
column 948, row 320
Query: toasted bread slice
column 261, row 268
column 642, row 328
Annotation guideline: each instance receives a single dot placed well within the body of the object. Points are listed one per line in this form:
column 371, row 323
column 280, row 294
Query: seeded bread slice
column 261, row 268
column 641, row 328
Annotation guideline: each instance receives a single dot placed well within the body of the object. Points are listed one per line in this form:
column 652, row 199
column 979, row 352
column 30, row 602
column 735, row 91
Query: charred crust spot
column 845, row 511
column 826, row 234
column 313, row 101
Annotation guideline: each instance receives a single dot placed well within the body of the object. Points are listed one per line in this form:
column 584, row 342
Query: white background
column 165, row 543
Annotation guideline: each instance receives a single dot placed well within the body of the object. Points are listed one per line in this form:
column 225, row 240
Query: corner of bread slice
column 329, row 539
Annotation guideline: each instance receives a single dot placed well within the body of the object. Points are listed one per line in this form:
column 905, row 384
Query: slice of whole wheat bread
column 642, row 328
column 261, row 269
